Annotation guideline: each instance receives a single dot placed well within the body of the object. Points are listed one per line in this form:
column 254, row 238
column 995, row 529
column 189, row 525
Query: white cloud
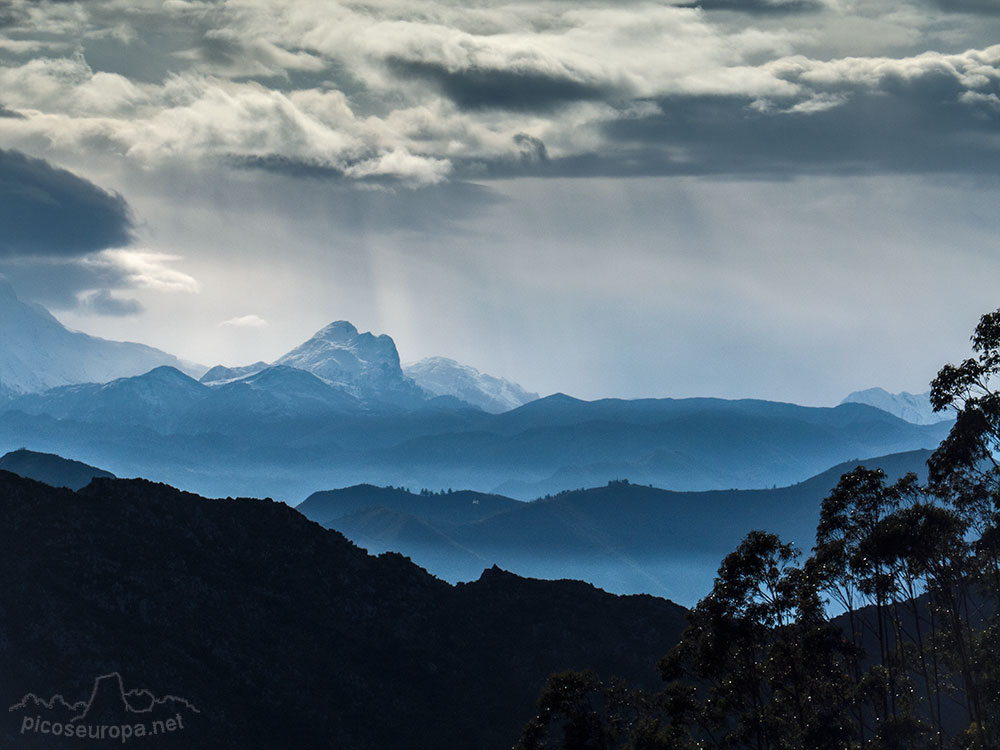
column 144, row 269
column 244, row 321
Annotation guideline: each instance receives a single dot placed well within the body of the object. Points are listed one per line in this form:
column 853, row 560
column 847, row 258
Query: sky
column 781, row 199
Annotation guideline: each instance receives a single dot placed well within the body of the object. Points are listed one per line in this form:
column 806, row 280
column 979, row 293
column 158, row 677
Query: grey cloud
column 987, row 7
column 449, row 93
column 903, row 131
column 57, row 283
column 47, row 211
column 288, row 166
column 909, row 121
column 11, row 16
column 103, row 303
column 532, row 149
column 221, row 47
column 759, row 6
column 482, row 88
column 9, row 113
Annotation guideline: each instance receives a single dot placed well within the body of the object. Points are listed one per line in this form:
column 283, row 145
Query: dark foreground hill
column 260, row 629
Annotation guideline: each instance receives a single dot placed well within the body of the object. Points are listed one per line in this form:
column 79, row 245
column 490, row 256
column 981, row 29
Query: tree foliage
column 886, row 637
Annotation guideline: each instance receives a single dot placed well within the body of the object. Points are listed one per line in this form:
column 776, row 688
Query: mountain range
column 339, row 410
column 283, row 432
column 623, row 537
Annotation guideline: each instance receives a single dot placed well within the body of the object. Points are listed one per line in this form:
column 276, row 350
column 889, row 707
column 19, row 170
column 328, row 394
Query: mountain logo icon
column 109, row 713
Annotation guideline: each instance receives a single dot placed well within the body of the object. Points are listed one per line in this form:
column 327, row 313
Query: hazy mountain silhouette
column 447, row 507
column 285, row 432
column 689, row 444
column 51, row 469
column 623, row 537
column 282, row 633
column 338, row 410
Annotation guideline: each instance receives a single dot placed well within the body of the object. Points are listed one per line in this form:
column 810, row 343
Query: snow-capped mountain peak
column 446, row 377
column 913, row 407
column 363, row 364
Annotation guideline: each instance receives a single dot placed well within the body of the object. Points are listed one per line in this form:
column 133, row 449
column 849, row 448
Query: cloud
column 760, row 6
column 478, row 88
column 986, row 7
column 865, row 134
column 70, row 283
column 47, row 211
column 102, row 302
column 378, row 92
column 244, row 321
column 532, row 149
column 143, row 269
column 63, row 237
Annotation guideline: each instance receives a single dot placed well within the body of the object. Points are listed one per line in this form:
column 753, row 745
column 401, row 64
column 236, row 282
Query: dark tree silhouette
column 886, row 637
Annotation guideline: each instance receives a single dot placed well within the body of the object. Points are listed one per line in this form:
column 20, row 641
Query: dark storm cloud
column 57, row 283
column 9, row 113
column 923, row 124
column 47, row 211
column 987, row 7
column 758, row 6
column 10, row 17
column 481, row 88
column 102, row 303
column 532, row 149
column 287, row 166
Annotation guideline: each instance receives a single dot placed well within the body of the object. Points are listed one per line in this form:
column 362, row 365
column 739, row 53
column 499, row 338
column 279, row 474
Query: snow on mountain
column 914, row 408
column 446, row 377
column 154, row 399
column 362, row 364
column 221, row 374
column 37, row 352
column 279, row 391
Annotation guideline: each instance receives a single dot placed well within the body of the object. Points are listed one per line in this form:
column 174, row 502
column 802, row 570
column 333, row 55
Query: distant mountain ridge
column 37, row 352
column 52, row 469
column 915, row 408
column 284, row 432
column 338, row 410
column 623, row 537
